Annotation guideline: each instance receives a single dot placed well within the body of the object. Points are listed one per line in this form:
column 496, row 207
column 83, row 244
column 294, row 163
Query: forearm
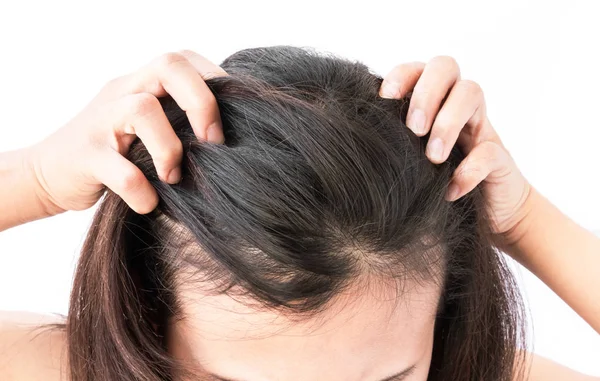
column 21, row 200
column 544, row 369
column 563, row 255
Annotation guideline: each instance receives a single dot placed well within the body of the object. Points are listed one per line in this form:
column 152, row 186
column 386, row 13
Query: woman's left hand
column 454, row 111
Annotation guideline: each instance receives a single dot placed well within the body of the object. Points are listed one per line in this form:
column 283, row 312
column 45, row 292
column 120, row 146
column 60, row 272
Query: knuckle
column 401, row 72
column 470, row 167
column 400, row 68
column 444, row 123
column 187, row 53
column 421, row 95
column 490, row 149
column 447, row 65
column 177, row 149
column 445, row 61
column 131, row 180
column 498, row 152
column 143, row 103
column 413, row 65
column 115, row 82
column 171, row 154
column 115, row 87
column 96, row 142
column 169, row 59
column 471, row 87
column 416, row 64
column 206, row 101
column 489, row 152
column 471, row 174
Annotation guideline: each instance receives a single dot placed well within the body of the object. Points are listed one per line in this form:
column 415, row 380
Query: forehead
column 364, row 331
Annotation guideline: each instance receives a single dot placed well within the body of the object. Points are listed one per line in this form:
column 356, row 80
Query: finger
column 464, row 104
column 173, row 73
column 487, row 160
column 141, row 114
column 128, row 84
column 437, row 79
column 126, row 180
column 203, row 66
column 401, row 79
column 478, row 129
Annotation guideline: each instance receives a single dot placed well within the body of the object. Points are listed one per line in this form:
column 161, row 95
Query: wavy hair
column 315, row 168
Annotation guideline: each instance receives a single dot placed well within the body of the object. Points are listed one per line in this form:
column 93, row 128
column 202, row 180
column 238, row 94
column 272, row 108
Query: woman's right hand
column 73, row 165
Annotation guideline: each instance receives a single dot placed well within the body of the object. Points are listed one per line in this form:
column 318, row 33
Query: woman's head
column 315, row 244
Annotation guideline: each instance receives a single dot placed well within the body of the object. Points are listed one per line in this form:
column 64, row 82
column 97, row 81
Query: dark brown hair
column 315, row 168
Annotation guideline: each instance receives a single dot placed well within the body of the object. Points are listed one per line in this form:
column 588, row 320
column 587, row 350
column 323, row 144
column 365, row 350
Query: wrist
column 32, row 167
column 514, row 240
column 20, row 200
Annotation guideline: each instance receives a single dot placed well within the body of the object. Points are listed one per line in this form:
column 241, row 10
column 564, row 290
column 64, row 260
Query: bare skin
column 70, row 170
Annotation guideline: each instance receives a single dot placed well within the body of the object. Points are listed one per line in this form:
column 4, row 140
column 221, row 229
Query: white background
column 536, row 61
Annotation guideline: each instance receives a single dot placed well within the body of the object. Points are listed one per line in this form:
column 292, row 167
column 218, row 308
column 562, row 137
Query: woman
column 275, row 220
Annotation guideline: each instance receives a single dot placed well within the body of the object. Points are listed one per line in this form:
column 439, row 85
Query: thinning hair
column 319, row 181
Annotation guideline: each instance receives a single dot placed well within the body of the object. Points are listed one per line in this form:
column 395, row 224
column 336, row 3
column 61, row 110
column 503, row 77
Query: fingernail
column 389, row 89
column 416, row 122
column 452, row 192
column 436, row 149
column 174, row 176
column 214, row 134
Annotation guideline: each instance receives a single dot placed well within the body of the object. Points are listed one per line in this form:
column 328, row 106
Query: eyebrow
column 395, row 377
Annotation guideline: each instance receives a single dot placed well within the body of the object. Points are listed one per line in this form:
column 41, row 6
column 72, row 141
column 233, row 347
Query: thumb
column 486, row 161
